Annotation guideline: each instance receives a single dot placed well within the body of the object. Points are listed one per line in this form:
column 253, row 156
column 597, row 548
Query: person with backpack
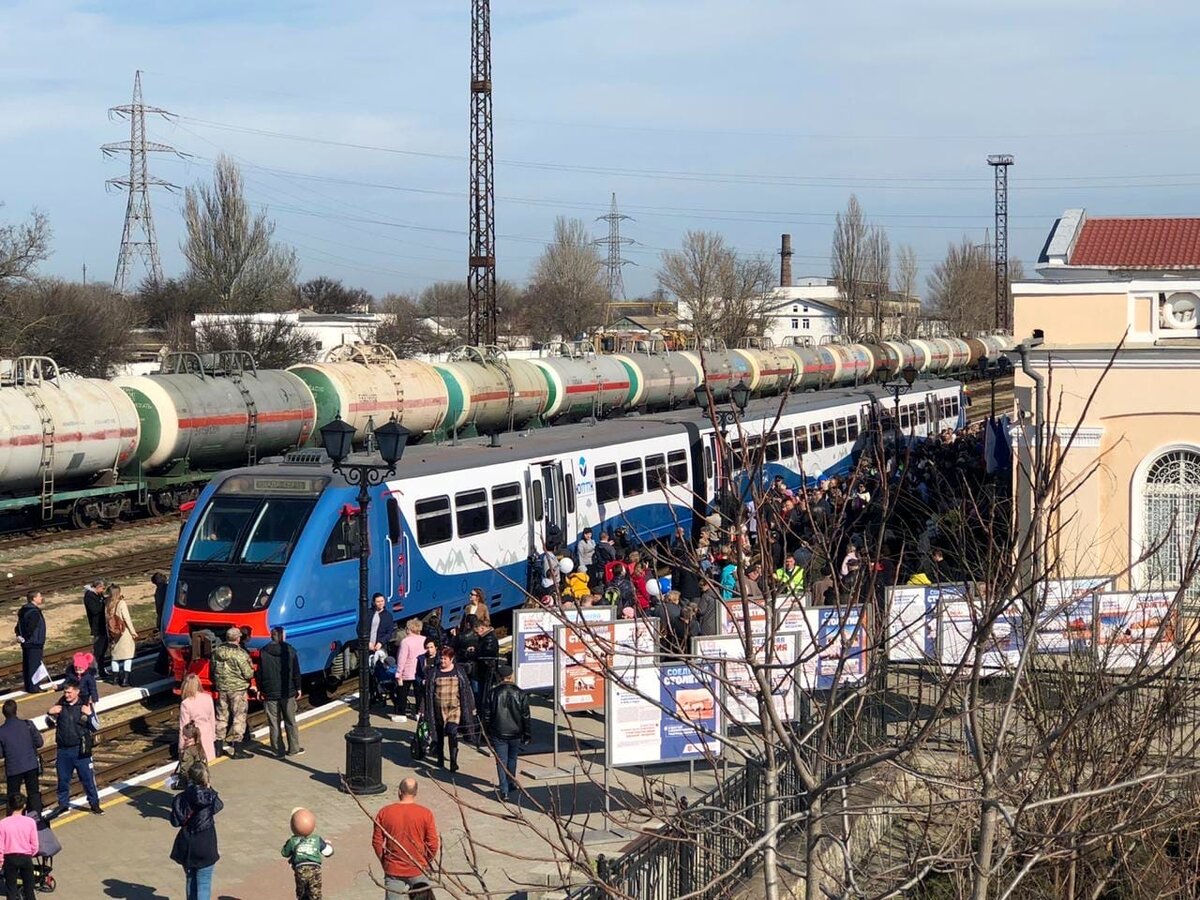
column 31, row 635
column 122, row 637
column 620, row 592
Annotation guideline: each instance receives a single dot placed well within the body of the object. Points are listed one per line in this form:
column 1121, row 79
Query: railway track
column 74, row 575
column 10, row 674
column 980, row 393
column 44, row 537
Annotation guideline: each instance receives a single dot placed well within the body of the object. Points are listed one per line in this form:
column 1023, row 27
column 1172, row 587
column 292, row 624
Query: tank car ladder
column 28, row 373
column 234, row 363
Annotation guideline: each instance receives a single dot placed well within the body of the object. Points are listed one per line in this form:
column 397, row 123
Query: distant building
column 329, row 330
column 806, row 311
column 1125, row 291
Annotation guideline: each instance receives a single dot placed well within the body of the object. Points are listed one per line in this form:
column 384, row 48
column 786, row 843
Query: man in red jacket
column 406, row 842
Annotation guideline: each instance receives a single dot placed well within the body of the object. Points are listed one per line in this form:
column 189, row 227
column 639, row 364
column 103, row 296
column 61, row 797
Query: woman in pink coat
column 197, row 706
column 411, row 647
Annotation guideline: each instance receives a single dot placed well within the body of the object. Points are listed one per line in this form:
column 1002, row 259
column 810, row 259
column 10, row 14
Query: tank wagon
column 87, row 450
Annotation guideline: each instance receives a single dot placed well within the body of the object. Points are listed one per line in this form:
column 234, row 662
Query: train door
column 397, row 545
column 550, row 506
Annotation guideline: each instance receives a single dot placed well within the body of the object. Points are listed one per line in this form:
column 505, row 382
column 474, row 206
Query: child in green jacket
column 306, row 850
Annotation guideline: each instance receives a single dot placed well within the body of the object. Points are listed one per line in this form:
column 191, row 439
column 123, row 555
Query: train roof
column 471, row 453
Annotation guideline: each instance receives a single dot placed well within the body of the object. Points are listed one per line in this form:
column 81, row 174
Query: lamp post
column 993, row 370
column 901, row 385
column 364, row 744
column 739, row 396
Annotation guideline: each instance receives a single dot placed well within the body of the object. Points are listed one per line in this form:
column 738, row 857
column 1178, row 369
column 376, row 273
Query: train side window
column 922, row 415
column 506, row 505
column 708, row 463
column 827, row 433
column 787, row 444
column 677, row 466
column 570, row 493
column 393, row 517
column 905, row 418
column 852, row 427
column 772, row 454
column 537, row 499
column 801, row 440
column 633, row 481
column 471, row 512
column 656, row 473
column 815, row 441
column 434, row 523
column 608, row 487
column 842, row 433
column 343, row 540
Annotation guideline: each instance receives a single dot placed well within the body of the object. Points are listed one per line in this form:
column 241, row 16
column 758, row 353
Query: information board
column 661, row 714
column 913, row 624
column 1067, row 623
column 960, row 618
column 738, row 687
column 1132, row 627
column 584, row 654
column 837, row 648
column 533, row 641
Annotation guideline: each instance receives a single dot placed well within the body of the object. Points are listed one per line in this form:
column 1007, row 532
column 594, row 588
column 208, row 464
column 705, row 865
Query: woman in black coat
column 195, row 845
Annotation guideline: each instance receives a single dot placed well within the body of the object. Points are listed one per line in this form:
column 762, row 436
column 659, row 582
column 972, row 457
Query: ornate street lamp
column 899, row 386
column 740, row 395
column 364, row 744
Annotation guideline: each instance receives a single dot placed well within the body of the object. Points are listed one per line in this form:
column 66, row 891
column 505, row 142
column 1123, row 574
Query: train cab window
column 607, row 486
column 224, row 520
column 772, row 453
column 633, row 481
column 841, row 431
column 471, row 512
column 393, row 517
column 656, row 473
column 342, row 543
column 815, row 441
column 434, row 524
column 827, row 433
column 274, row 529
column 506, row 505
column 801, row 440
column 677, row 466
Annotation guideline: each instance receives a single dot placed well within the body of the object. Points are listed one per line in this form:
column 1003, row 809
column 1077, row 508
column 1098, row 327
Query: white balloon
column 653, row 588
column 566, row 565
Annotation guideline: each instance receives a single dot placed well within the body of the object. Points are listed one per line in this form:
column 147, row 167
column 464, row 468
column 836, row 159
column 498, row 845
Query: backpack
column 115, row 623
column 612, row 596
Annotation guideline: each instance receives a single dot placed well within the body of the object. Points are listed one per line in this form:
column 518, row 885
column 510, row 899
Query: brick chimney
column 785, row 260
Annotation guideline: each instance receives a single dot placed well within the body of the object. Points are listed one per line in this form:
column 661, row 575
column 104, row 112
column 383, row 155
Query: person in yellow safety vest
column 791, row 577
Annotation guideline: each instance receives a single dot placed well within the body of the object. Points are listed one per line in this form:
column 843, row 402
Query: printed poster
column 1067, row 624
column 789, row 615
column 837, row 649
column 1131, row 627
column 913, row 627
column 739, row 689
column 533, row 642
column 960, row 614
column 585, row 654
column 662, row 714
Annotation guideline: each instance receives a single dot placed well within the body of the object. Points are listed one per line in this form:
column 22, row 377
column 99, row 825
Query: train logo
column 582, row 467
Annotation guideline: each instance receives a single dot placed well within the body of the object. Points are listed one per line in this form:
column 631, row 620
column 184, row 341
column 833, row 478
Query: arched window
column 1172, row 503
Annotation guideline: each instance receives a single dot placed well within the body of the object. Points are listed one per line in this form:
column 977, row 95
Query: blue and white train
column 277, row 543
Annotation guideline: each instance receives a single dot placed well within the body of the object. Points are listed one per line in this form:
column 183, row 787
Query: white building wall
column 803, row 311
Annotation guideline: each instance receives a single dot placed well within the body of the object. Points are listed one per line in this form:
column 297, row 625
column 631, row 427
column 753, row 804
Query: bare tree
column 329, row 296
column 747, row 300
column 566, row 297
column 23, row 246
column 445, row 299
column 962, row 287
column 230, row 251
column 698, row 274
column 404, row 328
column 906, row 275
column 274, row 344
column 86, row 328
column 848, row 262
column 878, row 275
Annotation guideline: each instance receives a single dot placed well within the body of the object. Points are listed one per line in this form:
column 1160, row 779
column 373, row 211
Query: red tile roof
column 1138, row 244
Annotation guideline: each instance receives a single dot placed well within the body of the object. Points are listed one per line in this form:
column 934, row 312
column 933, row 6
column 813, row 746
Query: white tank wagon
column 58, row 430
column 217, row 409
column 491, row 393
column 582, row 383
column 721, row 370
column 772, row 369
column 367, row 382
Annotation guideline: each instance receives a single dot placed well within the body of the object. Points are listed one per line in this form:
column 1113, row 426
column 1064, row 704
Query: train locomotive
column 91, row 450
column 277, row 543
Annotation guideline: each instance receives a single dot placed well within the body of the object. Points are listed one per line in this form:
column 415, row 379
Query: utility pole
column 481, row 257
column 137, row 237
column 614, row 241
column 1000, row 162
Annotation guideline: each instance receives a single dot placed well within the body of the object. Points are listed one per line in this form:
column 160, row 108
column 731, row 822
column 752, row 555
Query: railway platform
column 126, row 852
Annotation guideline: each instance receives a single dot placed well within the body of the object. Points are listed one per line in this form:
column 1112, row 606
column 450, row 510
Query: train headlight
column 181, row 594
column 220, row 598
column 264, row 596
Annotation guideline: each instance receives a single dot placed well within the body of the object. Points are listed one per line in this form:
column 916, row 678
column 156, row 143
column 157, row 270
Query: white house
column 329, row 330
column 807, row 309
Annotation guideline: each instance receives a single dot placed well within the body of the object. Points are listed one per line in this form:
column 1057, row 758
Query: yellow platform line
column 138, row 789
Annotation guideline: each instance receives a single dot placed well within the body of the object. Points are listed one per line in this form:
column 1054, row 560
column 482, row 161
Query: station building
column 1118, row 311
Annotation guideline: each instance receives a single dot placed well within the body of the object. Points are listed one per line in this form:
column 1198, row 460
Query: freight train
column 88, row 450
column 278, row 543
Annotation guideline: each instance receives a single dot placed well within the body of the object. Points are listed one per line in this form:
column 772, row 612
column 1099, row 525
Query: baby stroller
column 384, row 686
column 43, row 863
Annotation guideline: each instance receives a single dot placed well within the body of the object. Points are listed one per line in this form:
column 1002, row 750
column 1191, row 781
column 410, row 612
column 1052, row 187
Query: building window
column 806, row 308
column 795, row 308
column 1172, row 502
column 805, row 324
column 795, row 324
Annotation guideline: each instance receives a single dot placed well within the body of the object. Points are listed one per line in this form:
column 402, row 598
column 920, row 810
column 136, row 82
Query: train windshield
column 249, row 530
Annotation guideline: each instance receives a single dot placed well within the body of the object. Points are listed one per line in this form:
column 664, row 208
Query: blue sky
column 748, row 118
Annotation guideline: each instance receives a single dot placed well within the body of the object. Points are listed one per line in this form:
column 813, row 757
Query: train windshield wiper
column 271, row 558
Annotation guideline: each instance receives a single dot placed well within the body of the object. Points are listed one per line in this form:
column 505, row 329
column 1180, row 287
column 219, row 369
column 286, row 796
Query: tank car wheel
column 155, row 507
column 79, row 516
